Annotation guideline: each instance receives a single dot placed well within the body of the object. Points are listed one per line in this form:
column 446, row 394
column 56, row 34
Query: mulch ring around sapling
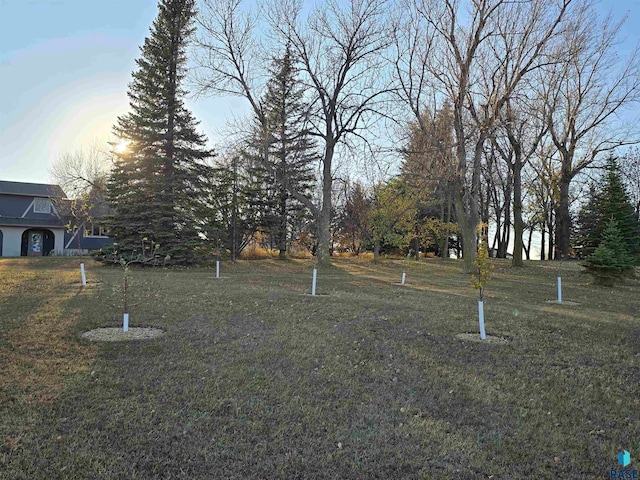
column 475, row 337
column 116, row 334
column 90, row 283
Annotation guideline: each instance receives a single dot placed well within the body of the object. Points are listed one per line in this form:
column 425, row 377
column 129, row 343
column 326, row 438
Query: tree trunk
column 495, row 246
column 376, row 251
column 563, row 220
column 550, row 248
column 529, row 244
column 282, row 234
column 518, row 224
column 467, row 200
column 234, row 210
column 504, row 241
column 416, row 248
column 468, row 228
column 504, row 228
column 444, row 241
column 484, row 206
column 507, row 235
column 543, row 229
column 324, row 240
column 324, row 219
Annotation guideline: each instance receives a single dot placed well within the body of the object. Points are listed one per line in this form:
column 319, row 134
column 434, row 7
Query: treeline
column 501, row 111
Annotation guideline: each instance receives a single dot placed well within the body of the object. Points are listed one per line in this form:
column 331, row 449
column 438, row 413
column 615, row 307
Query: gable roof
column 31, row 189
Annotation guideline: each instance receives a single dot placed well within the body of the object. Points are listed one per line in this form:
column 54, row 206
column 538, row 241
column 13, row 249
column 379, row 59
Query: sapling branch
column 480, row 279
column 483, row 271
column 125, row 285
column 149, row 254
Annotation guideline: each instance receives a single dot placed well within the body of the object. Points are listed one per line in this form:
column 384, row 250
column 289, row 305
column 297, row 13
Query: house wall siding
column 17, row 206
column 59, row 244
column 75, row 241
column 12, row 240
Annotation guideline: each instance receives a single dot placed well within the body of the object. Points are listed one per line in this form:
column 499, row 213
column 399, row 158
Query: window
column 41, row 205
column 93, row 230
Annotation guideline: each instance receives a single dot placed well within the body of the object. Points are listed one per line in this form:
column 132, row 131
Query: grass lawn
column 255, row 379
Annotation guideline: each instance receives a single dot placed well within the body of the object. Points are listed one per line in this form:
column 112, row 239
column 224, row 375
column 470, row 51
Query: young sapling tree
column 315, row 277
column 125, row 294
column 149, row 252
column 481, row 277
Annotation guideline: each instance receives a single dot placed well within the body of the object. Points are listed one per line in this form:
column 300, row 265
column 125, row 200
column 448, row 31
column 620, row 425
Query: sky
column 64, row 70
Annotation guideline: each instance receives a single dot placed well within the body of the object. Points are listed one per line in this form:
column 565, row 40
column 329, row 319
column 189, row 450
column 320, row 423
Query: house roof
column 31, row 189
column 31, row 222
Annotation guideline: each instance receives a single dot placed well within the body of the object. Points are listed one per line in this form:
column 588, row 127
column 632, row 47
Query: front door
column 35, row 247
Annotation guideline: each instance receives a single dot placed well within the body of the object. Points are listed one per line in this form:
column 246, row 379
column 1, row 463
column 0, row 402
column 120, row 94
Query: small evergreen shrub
column 611, row 261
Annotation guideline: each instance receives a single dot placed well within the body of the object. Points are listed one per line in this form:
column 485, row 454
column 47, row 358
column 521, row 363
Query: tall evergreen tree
column 428, row 169
column 232, row 221
column 588, row 228
column 156, row 185
column 284, row 153
column 353, row 219
column 607, row 201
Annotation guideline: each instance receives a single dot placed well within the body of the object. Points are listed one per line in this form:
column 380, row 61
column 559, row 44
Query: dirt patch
column 475, row 337
column 113, row 334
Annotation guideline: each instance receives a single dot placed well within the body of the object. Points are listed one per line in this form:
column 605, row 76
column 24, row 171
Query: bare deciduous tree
column 82, row 174
column 630, row 167
column 476, row 60
column 524, row 128
column 585, row 94
column 82, row 170
column 339, row 47
column 232, row 60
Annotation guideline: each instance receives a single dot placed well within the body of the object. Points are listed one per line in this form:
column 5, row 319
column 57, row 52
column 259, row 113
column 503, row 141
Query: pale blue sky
column 64, row 70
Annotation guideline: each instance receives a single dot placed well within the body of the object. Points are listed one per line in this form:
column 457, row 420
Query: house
column 88, row 234
column 31, row 223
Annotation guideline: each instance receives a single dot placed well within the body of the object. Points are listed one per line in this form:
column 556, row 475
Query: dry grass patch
column 38, row 352
column 254, row 380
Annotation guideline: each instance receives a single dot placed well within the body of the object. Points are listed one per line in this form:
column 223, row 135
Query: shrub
column 253, row 253
column 258, row 253
column 611, row 261
column 301, row 254
column 146, row 254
